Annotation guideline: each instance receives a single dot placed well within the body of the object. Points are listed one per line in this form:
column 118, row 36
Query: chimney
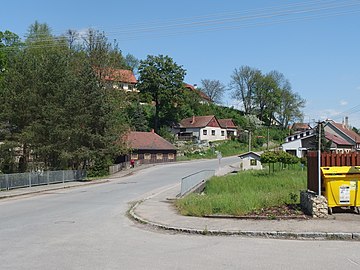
column 192, row 120
column 152, row 131
column 347, row 122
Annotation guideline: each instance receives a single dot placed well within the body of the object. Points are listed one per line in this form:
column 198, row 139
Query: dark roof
column 148, row 141
column 196, row 121
column 227, row 123
column 250, row 154
column 348, row 132
column 118, row 75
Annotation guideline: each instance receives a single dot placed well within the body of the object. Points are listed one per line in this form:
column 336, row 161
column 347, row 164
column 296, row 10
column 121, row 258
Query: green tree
column 55, row 107
column 266, row 97
column 162, row 79
column 269, row 157
column 289, row 108
column 9, row 44
column 243, row 83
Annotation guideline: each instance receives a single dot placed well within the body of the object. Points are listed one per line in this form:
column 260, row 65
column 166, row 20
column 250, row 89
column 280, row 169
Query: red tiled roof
column 300, row 126
column 196, row 121
column 119, row 75
column 348, row 132
column 200, row 93
column 148, row 141
column 227, row 123
column 336, row 139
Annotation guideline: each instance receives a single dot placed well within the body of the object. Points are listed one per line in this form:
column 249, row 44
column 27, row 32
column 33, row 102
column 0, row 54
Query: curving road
column 87, row 228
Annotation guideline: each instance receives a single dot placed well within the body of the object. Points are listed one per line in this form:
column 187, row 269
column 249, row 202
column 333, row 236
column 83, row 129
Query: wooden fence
column 327, row 160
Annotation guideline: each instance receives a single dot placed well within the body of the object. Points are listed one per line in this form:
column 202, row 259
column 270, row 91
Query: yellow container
column 341, row 186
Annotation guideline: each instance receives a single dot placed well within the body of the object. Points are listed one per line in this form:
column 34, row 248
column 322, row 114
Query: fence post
column 7, row 181
column 29, row 179
column 63, row 177
column 48, row 177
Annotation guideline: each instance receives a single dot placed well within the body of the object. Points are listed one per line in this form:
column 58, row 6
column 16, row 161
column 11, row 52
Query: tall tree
column 266, row 97
column 214, row 89
column 162, row 79
column 290, row 107
column 243, row 83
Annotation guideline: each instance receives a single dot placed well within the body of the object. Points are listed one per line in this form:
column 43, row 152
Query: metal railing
column 188, row 183
column 36, row 178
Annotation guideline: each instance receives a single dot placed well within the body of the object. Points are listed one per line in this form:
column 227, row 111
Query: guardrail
column 190, row 182
column 22, row 180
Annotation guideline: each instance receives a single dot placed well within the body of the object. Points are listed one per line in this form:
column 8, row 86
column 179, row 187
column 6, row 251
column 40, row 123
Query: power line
column 228, row 21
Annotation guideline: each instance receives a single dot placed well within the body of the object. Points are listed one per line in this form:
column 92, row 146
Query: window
column 159, row 156
column 170, row 156
column 222, row 133
column 204, row 132
column 147, row 156
column 253, row 162
column 213, row 132
column 134, row 156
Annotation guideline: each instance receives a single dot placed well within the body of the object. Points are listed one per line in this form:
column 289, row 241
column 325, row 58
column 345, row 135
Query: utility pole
column 249, row 140
column 319, row 159
column 268, row 138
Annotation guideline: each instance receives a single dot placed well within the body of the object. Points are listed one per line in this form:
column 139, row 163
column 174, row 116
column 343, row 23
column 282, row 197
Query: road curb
column 339, row 236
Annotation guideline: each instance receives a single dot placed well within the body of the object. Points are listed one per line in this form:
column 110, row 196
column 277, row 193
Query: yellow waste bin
column 340, row 186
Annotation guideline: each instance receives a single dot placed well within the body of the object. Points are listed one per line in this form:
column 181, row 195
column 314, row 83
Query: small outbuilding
column 149, row 147
column 250, row 161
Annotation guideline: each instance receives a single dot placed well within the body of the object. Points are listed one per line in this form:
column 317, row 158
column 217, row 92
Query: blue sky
column 315, row 44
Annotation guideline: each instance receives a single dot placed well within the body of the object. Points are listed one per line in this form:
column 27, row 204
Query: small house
column 148, row 147
column 250, row 161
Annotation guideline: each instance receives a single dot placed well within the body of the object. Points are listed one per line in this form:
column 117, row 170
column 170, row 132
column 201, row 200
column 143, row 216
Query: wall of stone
column 313, row 205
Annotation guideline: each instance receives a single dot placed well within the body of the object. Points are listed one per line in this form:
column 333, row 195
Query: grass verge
column 245, row 192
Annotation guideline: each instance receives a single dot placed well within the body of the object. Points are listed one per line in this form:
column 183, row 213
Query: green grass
column 227, row 148
column 245, row 192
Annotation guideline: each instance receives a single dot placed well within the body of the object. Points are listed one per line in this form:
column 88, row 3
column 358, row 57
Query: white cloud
column 343, row 102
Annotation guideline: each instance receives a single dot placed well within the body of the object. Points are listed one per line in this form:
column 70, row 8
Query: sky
column 315, row 44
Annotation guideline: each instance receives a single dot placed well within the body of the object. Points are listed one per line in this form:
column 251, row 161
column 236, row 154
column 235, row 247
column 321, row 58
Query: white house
column 250, row 161
column 121, row 79
column 202, row 128
column 229, row 125
column 298, row 143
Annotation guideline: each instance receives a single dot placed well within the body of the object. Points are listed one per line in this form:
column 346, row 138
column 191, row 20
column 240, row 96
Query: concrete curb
column 340, row 236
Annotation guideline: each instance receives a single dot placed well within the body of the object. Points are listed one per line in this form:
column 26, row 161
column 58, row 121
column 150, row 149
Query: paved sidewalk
column 38, row 189
column 158, row 210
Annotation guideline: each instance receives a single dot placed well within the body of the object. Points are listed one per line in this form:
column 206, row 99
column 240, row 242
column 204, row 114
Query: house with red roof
column 299, row 143
column 343, row 131
column 229, row 125
column 204, row 99
column 201, row 128
column 300, row 127
column 148, row 147
column 119, row 79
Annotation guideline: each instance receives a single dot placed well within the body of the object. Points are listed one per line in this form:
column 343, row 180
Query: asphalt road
column 87, row 228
